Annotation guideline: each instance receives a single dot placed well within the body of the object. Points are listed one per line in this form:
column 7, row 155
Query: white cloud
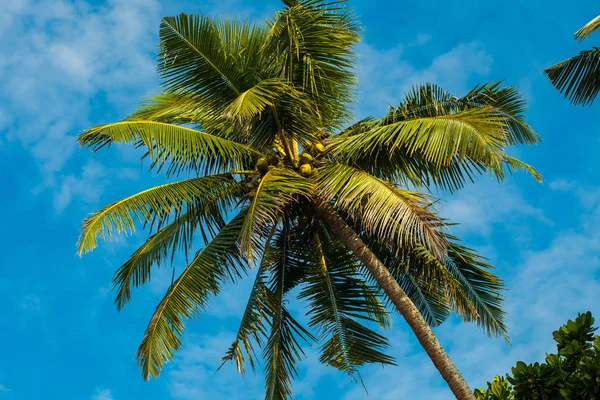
column 61, row 56
column 103, row 394
column 479, row 206
column 194, row 372
column 386, row 75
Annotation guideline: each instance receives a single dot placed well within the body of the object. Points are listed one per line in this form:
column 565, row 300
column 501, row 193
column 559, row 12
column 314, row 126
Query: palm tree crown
column 578, row 78
column 257, row 119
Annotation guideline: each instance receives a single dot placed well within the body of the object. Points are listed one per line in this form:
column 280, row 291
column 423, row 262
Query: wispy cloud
column 65, row 60
column 103, row 394
column 385, row 75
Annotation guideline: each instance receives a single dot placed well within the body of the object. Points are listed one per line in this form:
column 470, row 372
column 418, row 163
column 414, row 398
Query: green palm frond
column 314, row 40
column 203, row 56
column 252, row 325
column 588, row 29
column 578, row 78
column 482, row 288
column 183, row 148
column 396, row 216
column 433, row 138
column 339, row 298
column 277, row 189
column 218, row 262
column 204, row 216
column 465, row 282
column 155, row 204
column 282, row 350
column 429, row 298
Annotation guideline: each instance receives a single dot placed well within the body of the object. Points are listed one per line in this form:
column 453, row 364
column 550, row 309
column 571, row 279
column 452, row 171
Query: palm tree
column 278, row 185
column 578, row 78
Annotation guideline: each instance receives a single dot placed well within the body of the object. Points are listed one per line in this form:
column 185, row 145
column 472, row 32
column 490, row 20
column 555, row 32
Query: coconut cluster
column 303, row 164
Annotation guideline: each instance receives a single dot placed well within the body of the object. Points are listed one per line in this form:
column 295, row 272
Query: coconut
column 305, row 158
column 320, row 148
column 262, row 164
column 305, row 169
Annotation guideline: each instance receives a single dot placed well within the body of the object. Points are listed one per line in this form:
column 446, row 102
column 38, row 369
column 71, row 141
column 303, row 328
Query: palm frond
column 252, row 325
column 314, row 40
column 181, row 147
column 396, row 216
column 155, row 204
column 427, row 295
column 282, row 350
column 464, row 282
column 578, row 78
column 434, row 138
column 219, row 261
column 203, row 56
column 339, row 298
column 204, row 216
column 588, row 29
column 276, row 189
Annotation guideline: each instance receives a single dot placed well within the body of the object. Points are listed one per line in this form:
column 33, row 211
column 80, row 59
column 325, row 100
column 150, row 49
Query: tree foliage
column 572, row 373
column 254, row 123
column 578, row 77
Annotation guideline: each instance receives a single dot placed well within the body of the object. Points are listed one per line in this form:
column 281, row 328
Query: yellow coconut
column 305, row 169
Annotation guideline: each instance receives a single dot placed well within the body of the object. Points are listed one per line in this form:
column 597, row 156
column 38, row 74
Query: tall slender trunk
column 402, row 302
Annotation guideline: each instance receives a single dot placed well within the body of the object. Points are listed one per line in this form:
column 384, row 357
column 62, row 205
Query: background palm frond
column 578, row 78
column 588, row 29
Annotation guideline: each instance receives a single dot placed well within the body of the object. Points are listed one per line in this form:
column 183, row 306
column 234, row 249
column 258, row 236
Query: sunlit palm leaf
column 181, row 147
column 218, row 262
column 155, row 204
column 277, row 189
column 588, row 29
column 433, row 138
column 396, row 216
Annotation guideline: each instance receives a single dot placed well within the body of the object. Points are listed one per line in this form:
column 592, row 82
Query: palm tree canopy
column 259, row 116
column 578, row 77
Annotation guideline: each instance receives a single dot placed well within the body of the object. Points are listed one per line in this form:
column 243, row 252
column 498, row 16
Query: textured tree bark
column 402, row 302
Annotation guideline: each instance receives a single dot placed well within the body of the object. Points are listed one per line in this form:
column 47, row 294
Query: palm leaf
column 276, row 190
column 433, row 138
column 218, row 262
column 399, row 217
column 588, row 29
column 338, row 298
column 578, row 78
column 252, row 325
column 184, row 148
column 215, row 59
column 205, row 216
column 282, row 350
column 157, row 203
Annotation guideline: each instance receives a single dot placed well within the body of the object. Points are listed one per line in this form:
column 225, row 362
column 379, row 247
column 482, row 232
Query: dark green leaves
column 578, row 78
column 339, row 298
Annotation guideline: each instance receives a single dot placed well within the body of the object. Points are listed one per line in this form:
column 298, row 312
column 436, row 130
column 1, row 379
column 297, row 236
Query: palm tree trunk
column 402, row 302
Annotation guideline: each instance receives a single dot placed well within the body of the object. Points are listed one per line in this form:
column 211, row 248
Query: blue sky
column 68, row 65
